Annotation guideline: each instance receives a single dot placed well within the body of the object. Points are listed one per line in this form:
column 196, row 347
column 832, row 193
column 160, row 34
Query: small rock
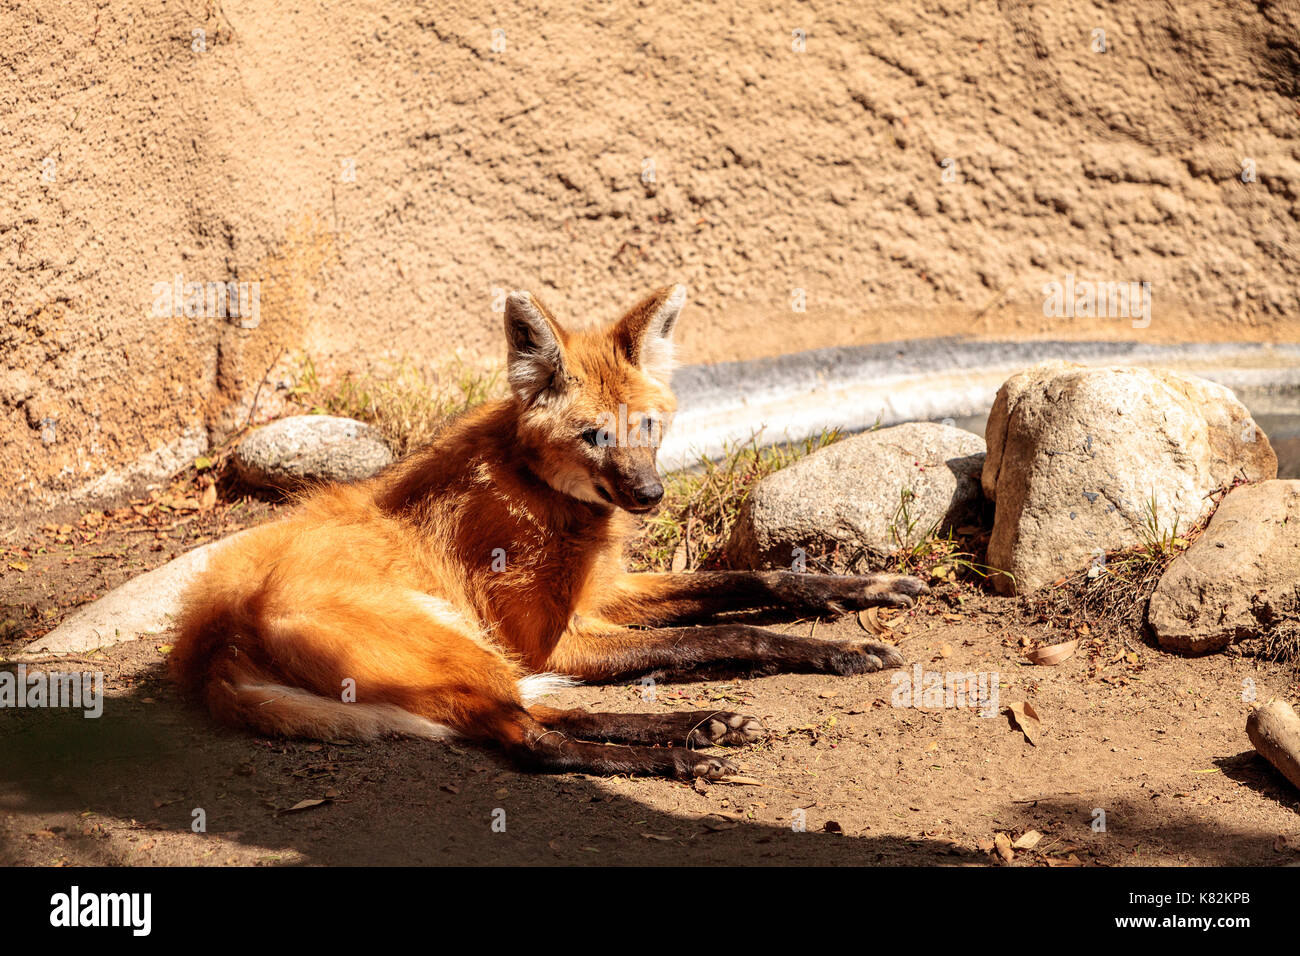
column 305, row 448
column 850, row 494
column 1237, row 577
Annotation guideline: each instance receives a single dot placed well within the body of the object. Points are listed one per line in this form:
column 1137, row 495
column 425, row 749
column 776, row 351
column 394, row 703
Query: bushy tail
column 277, row 710
column 240, row 693
column 218, row 660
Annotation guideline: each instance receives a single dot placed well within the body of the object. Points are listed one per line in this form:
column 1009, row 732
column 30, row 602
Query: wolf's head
column 594, row 403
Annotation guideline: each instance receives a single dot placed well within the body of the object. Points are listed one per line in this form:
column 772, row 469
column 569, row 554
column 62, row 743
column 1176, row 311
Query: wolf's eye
column 591, row 436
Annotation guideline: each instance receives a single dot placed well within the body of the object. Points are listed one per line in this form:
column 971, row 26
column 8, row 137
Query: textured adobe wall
column 133, row 150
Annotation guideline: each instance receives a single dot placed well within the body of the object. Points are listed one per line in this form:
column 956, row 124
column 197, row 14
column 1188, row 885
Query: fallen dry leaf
column 304, row 805
column 1027, row 841
column 1025, row 719
column 720, row 826
column 869, row 620
column 1052, row 654
column 1002, row 843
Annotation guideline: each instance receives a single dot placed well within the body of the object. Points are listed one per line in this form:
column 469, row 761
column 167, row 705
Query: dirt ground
column 1156, row 742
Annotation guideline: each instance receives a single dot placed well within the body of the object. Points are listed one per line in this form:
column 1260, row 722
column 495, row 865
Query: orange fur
column 390, row 583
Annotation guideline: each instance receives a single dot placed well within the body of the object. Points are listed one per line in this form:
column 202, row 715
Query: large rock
column 849, row 495
column 1237, row 578
column 304, row 448
column 1077, row 456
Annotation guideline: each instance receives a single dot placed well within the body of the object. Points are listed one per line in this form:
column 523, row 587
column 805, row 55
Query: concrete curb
column 144, row 605
column 853, row 388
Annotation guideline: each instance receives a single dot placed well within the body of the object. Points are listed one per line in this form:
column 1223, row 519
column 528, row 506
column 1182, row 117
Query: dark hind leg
column 695, row 728
column 533, row 746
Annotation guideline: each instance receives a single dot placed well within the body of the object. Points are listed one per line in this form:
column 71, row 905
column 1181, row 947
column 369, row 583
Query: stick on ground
column 1274, row 729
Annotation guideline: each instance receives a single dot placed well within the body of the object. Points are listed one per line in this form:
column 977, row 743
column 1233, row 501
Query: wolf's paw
column 864, row 658
column 726, row 729
column 831, row 595
column 710, row 768
column 892, row 590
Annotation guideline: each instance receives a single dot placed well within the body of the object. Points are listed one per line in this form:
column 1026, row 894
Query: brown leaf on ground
column 305, row 805
column 869, row 620
column 1052, row 653
column 1027, row 841
column 1002, row 843
column 1025, row 719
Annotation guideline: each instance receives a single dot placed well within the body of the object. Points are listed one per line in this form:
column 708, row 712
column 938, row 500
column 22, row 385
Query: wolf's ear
column 646, row 333
column 535, row 350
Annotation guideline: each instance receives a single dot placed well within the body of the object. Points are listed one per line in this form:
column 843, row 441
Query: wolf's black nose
column 648, row 495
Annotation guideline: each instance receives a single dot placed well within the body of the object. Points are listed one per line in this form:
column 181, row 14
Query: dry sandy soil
column 1155, row 741
column 143, row 139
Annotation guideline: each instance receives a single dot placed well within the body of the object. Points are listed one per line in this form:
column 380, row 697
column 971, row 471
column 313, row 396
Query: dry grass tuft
column 701, row 504
column 408, row 403
column 1108, row 599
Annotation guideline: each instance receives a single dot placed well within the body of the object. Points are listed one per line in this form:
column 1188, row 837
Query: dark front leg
column 698, row 597
column 611, row 655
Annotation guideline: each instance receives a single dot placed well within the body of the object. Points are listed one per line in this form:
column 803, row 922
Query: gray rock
column 849, row 495
column 1239, row 576
column 304, row 448
column 1079, row 458
column 143, row 605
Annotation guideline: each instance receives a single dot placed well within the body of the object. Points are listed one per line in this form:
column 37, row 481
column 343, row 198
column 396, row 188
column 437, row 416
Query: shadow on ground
column 123, row 788
column 129, row 781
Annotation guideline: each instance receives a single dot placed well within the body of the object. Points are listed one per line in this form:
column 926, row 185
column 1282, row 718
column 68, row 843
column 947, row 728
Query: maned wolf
column 439, row 597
